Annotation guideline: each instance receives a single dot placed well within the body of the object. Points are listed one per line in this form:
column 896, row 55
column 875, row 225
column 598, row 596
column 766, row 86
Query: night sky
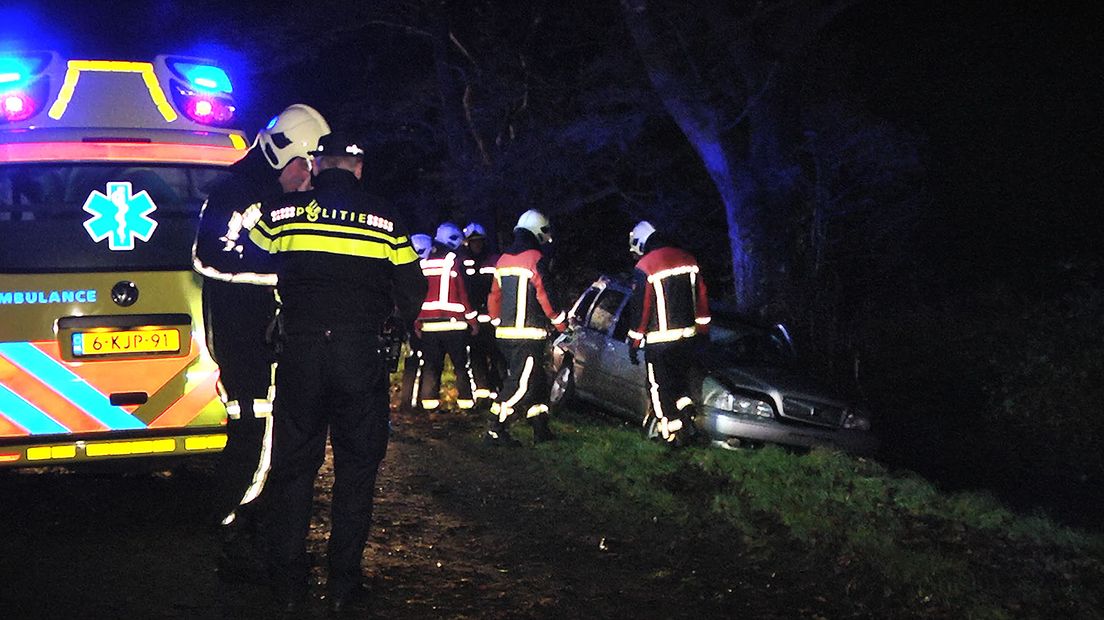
column 1007, row 96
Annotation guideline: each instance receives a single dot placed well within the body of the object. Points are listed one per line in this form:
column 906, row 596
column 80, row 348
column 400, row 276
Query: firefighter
column 412, row 363
column 479, row 266
column 345, row 266
column 668, row 309
column 523, row 311
column 238, row 306
column 445, row 321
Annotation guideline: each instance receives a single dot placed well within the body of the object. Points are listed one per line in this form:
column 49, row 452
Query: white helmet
column 292, row 133
column 474, row 229
column 639, row 237
column 535, row 222
column 449, row 235
column 422, row 244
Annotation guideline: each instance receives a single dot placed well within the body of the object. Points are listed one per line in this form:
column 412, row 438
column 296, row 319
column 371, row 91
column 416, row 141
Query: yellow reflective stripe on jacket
column 282, row 229
column 520, row 333
column 443, row 326
column 306, row 242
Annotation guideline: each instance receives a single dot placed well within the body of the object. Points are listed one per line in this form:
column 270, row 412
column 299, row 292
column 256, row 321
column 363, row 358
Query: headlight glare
column 719, row 397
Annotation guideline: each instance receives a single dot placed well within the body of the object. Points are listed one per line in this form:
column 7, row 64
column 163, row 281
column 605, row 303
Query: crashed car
column 746, row 385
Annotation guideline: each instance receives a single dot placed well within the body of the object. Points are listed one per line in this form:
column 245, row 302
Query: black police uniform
column 238, row 306
column 345, row 264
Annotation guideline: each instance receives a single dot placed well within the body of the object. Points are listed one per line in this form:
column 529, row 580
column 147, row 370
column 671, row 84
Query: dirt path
column 461, row 531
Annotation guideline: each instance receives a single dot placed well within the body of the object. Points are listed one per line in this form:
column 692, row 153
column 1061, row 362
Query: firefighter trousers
column 486, row 363
column 668, row 366
column 434, row 347
column 524, row 389
column 236, row 317
column 411, row 375
column 328, row 383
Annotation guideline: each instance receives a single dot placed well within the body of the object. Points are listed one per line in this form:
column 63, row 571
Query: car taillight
column 16, row 106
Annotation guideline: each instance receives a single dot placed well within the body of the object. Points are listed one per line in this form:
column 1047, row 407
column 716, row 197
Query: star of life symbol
column 119, row 216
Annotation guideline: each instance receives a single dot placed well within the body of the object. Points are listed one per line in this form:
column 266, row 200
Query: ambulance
column 104, row 167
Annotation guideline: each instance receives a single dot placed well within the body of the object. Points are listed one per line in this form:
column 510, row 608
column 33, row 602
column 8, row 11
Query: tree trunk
column 700, row 123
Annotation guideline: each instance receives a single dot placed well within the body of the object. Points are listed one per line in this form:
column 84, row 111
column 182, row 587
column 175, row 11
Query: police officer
column 667, row 310
column 523, row 311
column 412, row 362
column 238, row 306
column 479, row 267
column 345, row 265
column 446, row 319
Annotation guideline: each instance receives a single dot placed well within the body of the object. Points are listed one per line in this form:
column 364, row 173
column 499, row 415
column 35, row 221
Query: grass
column 909, row 545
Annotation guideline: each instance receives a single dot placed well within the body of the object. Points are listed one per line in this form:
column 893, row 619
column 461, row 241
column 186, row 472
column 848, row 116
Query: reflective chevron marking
column 66, row 383
column 26, row 415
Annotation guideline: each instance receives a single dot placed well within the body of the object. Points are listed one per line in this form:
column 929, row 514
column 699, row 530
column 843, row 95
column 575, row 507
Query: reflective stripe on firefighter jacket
column 669, row 300
column 519, row 304
column 446, row 306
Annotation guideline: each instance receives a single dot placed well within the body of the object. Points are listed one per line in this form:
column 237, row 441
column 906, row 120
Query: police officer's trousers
column 434, row 347
column 337, row 382
column 668, row 366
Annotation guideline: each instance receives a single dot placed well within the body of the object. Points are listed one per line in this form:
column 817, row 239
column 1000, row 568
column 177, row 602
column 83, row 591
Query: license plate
column 132, row 341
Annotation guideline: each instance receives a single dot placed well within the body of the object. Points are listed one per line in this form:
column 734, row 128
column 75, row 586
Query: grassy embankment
column 886, row 542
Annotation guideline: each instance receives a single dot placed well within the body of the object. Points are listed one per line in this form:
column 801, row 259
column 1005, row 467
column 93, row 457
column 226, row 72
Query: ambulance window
column 62, row 217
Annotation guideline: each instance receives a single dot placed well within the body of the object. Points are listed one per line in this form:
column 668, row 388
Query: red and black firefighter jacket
column 446, row 306
column 669, row 299
column 519, row 305
column 480, row 272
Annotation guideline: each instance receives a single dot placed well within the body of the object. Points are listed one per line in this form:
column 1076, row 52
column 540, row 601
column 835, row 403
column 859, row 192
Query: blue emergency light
column 206, row 78
column 17, row 101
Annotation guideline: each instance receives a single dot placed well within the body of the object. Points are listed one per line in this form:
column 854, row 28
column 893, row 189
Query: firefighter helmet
column 475, row 230
column 449, row 235
column 292, row 133
column 535, row 222
column 639, row 237
column 422, row 244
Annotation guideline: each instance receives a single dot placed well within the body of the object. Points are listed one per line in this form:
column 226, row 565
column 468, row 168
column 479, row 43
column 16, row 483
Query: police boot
column 541, row 430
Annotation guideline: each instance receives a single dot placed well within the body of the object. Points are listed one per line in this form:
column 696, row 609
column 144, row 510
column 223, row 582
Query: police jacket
column 446, row 306
column 669, row 300
column 221, row 251
column 344, row 258
column 519, row 304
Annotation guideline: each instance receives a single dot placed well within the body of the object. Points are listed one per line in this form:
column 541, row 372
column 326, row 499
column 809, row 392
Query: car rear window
column 66, row 217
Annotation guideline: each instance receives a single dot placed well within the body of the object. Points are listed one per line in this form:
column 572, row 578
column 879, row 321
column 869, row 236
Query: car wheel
column 563, row 387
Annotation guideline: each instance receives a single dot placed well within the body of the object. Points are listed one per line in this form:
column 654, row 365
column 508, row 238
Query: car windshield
column 749, row 345
column 100, row 217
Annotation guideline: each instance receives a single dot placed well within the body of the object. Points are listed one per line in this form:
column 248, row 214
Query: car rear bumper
column 724, row 424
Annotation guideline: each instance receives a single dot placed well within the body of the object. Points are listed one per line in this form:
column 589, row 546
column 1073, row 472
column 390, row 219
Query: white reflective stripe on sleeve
column 495, row 322
column 260, row 279
column 536, row 410
column 703, row 320
column 487, row 271
column 484, row 318
column 683, row 403
column 262, row 408
column 635, row 335
column 560, row 318
column 471, row 315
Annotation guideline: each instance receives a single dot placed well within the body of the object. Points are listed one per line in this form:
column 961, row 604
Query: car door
column 622, row 384
column 584, row 342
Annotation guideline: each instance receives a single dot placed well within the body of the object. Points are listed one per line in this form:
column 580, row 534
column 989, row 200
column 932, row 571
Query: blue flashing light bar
column 205, row 77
